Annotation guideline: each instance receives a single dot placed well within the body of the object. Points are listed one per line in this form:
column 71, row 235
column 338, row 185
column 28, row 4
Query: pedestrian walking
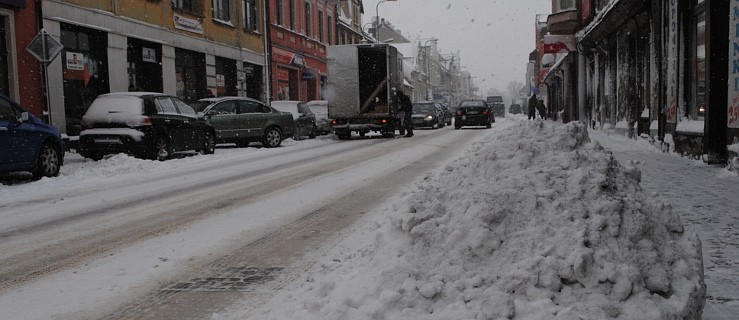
column 406, row 107
column 533, row 105
column 542, row 108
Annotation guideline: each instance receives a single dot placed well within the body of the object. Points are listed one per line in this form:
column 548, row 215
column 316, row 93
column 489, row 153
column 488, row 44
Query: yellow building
column 187, row 48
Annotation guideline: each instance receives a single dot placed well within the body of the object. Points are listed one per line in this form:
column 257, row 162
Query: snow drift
column 535, row 222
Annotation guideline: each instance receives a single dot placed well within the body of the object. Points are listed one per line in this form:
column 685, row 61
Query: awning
column 407, row 84
column 556, row 67
column 609, row 20
column 14, row 3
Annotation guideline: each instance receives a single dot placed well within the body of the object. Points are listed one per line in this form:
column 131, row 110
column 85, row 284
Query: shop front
column 253, row 81
column 144, row 66
column 84, row 71
column 190, row 75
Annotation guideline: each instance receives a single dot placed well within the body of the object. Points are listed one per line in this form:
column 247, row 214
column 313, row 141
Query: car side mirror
column 24, row 117
column 201, row 115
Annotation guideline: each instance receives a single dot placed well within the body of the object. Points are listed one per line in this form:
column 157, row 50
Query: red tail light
column 459, row 113
column 383, row 120
column 145, row 121
column 485, row 112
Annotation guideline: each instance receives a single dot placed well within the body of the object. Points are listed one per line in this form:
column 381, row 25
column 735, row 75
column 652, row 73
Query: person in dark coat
column 542, row 109
column 407, row 107
column 533, row 105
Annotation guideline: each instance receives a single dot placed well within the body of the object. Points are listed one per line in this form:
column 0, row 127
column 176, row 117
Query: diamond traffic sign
column 44, row 47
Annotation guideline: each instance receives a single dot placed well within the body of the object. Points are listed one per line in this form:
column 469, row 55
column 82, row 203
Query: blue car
column 27, row 143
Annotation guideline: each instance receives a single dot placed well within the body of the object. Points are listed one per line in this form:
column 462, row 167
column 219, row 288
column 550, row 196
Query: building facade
column 191, row 49
column 664, row 69
column 20, row 72
column 349, row 23
column 300, row 31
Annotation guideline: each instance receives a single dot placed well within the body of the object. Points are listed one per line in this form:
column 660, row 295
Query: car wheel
column 163, row 149
column 272, row 137
column 209, row 143
column 48, row 163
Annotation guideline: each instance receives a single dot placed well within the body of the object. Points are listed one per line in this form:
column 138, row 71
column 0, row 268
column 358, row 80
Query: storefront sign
column 672, row 40
column 75, row 61
column 149, row 55
column 187, row 24
column 734, row 66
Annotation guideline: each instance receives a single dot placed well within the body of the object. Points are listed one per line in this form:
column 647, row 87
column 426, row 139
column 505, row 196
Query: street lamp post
column 377, row 19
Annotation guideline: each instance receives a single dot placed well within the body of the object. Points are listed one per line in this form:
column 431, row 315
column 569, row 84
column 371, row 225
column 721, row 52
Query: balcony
column 563, row 22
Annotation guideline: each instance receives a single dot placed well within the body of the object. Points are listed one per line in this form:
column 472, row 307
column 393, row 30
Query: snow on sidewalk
column 706, row 198
column 534, row 222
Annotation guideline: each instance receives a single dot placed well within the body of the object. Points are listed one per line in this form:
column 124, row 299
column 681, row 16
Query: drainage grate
column 233, row 279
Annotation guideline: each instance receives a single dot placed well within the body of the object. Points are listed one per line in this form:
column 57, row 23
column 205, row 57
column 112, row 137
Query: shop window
column 222, row 10
column 251, row 16
column 186, row 5
column 698, row 90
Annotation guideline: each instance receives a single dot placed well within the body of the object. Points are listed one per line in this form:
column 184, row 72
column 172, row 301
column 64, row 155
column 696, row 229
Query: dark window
column 186, row 5
column 279, row 13
column 308, row 21
column 329, row 28
column 250, row 15
column 320, row 26
column 292, row 14
column 222, row 10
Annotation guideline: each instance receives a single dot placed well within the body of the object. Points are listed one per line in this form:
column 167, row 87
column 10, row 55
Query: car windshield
column 472, row 104
column 424, row 108
column 116, row 104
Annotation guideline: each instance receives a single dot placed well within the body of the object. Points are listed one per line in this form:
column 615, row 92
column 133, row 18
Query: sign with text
column 75, row 61
column 733, row 102
column 148, row 55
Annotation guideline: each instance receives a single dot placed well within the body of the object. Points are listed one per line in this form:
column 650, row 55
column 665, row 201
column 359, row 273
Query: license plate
column 107, row 140
column 471, row 112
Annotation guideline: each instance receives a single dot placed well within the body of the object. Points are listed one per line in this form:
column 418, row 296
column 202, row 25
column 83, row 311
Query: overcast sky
column 494, row 37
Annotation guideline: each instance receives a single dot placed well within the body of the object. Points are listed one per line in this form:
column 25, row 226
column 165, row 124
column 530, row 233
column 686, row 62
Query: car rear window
column 105, row 105
column 472, row 104
column 284, row 107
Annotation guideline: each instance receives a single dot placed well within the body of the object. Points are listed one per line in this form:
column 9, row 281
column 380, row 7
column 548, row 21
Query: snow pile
column 535, row 222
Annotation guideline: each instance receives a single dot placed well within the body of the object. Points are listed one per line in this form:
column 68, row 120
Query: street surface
column 191, row 239
column 706, row 197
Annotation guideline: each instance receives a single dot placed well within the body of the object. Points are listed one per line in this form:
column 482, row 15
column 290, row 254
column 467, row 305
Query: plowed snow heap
column 536, row 222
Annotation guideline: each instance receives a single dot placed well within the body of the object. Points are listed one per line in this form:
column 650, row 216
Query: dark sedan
column 28, row 143
column 143, row 124
column 428, row 114
column 473, row 113
column 243, row 120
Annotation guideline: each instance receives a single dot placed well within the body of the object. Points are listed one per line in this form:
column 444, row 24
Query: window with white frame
column 222, row 10
column 250, row 15
column 563, row 5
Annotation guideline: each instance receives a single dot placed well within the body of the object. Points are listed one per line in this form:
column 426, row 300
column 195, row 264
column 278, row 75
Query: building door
column 85, row 71
column 144, row 66
column 190, row 75
column 225, row 77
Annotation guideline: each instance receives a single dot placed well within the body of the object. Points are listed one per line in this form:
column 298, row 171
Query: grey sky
column 494, row 37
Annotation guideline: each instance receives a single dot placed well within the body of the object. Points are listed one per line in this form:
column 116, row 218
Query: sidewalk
column 707, row 198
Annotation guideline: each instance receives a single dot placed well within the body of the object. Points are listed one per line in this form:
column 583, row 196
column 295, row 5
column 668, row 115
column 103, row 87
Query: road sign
column 44, row 47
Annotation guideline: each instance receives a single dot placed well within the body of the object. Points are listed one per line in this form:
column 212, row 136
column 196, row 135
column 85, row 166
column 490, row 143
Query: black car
column 143, row 124
column 244, row 120
column 27, row 143
column 303, row 117
column 428, row 114
column 515, row 109
column 473, row 113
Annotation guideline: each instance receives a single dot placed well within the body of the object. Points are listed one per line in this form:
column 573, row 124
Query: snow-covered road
column 105, row 233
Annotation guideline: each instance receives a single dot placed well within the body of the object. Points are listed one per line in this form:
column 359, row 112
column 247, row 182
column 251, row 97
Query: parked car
column 473, row 113
column 27, row 142
column 428, row 114
column 143, row 124
column 304, row 119
column 515, row 109
column 320, row 109
column 244, row 120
